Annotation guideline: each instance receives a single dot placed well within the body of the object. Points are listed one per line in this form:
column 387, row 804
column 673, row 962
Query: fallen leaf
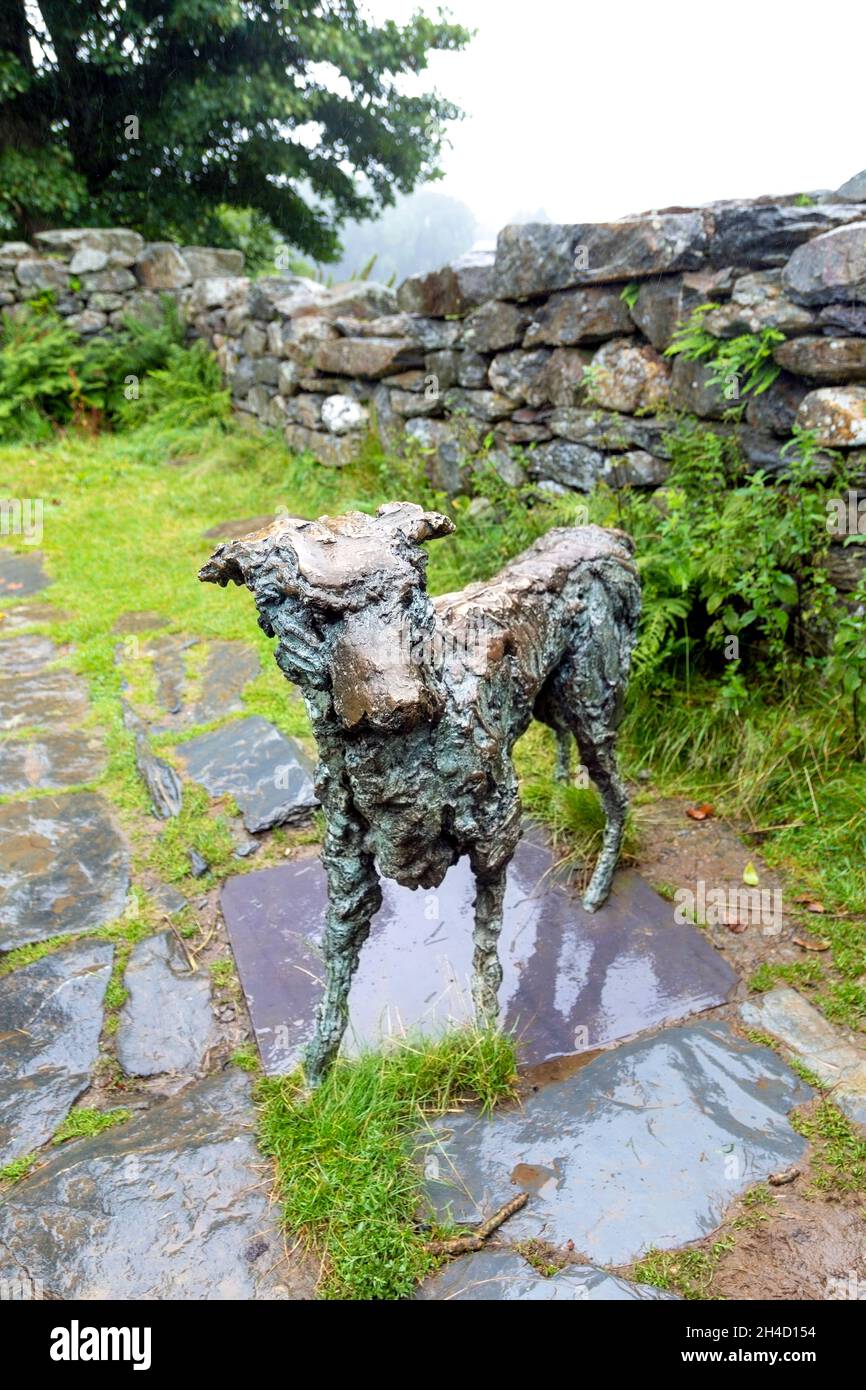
column 810, row 904
column 702, row 812
column 750, row 875
column 813, row 945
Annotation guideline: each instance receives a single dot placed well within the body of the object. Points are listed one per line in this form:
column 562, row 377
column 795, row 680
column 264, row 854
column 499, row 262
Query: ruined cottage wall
column 533, row 352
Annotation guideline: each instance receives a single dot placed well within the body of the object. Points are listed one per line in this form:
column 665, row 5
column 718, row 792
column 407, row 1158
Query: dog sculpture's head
column 346, row 596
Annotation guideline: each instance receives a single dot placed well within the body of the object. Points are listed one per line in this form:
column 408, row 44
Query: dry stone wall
column 533, row 353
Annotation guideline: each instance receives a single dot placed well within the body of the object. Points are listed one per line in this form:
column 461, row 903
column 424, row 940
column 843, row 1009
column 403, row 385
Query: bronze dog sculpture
column 416, row 704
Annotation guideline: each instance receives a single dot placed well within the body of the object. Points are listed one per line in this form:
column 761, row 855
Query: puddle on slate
column 573, row 982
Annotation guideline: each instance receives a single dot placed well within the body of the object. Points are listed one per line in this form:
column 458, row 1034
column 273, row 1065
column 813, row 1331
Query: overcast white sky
column 592, row 111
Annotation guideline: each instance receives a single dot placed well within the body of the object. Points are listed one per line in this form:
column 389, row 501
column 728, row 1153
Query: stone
column 342, row 415
column 572, row 980
column 213, row 261
column 845, row 565
column 776, row 408
column 160, row 266
column 435, row 335
column 837, row 1064
column 52, row 1018
column 23, row 615
column 64, row 868
column 412, row 404
column 361, row 299
column 333, row 450
column 254, row 340
column 574, row 466
column 387, row 326
column 172, row 1205
column 42, row 275
column 629, row 377
column 758, row 302
column 562, row 379
column 305, row 409
column 119, row 244
column 198, row 865
column 86, row 260
column 166, row 1023
column 635, row 468
column 87, row 322
column 115, row 280
column 644, row 1147
column 494, row 326
column 227, row 669
column 288, row 377
column 282, row 296
column 853, row 190
column 218, row 291
column 586, row 315
column 534, row 258
column 829, row 269
column 367, row 357
column 693, row 390
column 448, row 446
column 495, row 1275
column 520, row 375
column 160, row 778
column 472, row 370
column 21, row 574
column 455, row 289
column 836, row 415
column 267, row 370
column 843, row 319
column 53, row 759
column 268, row 775
column 47, row 697
column 824, row 359
column 481, row 405
column 661, row 305
column 610, row 431
column 760, row 235
column 11, row 252
column 106, row 303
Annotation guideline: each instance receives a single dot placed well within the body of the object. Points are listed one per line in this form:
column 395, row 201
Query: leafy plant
column 629, row 293
column 740, row 366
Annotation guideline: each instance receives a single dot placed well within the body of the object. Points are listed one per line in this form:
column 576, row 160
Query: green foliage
column 346, row 1158
column 188, row 390
column 739, row 367
column 18, row 1168
column 158, row 115
column 846, row 665
column 629, row 293
column 724, row 555
column 839, row 1164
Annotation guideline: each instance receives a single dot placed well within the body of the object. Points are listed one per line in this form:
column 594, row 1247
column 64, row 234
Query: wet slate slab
column 64, row 868
column 269, row 775
column 32, row 695
column 787, row 1015
column 645, row 1146
column 21, row 574
column 226, row 669
column 50, row 761
column 166, row 1024
column 139, row 620
column 572, row 981
column 49, row 1039
column 20, row 615
column 503, row 1276
column 173, row 1205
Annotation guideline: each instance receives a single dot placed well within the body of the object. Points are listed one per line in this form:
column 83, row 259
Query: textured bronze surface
column 416, row 705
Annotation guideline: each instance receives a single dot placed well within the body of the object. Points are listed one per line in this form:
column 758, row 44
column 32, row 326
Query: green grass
column 839, row 1152
column 18, row 1168
column 246, row 1058
column 344, row 1156
column 687, row 1272
column 84, row 1123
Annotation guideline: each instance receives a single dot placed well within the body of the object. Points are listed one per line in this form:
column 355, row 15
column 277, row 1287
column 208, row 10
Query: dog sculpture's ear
column 414, row 523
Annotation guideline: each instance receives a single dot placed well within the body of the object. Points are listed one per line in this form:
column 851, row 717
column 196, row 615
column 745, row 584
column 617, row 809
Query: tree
column 152, row 113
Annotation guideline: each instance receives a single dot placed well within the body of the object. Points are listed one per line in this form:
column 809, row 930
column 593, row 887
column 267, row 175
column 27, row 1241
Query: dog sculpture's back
column 416, row 705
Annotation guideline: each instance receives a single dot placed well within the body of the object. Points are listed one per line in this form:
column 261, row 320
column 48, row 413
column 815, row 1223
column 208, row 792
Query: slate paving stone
column 49, row 1039
column 31, row 694
column 21, row 615
column 647, row 1145
column 227, row 669
column 168, row 898
column 269, row 775
column 139, row 620
column 790, row 1017
column 173, row 1205
column 231, row 530
column 573, row 981
column 162, row 782
column 166, row 1024
column 21, row 575
column 49, row 762
column 502, row 1275
column 64, row 868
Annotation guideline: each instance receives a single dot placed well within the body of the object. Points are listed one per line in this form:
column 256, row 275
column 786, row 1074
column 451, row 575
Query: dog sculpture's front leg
column 354, row 897
column 487, row 970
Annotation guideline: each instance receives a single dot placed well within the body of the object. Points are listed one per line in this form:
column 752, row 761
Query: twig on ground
column 462, row 1245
